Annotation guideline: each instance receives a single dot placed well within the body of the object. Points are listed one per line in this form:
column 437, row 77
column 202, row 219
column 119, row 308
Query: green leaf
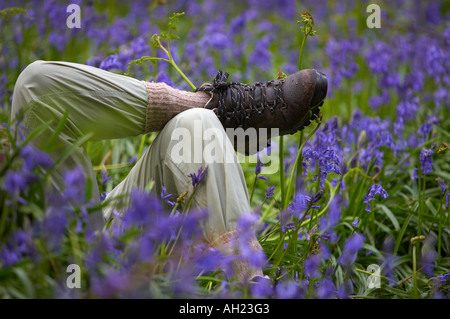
column 8, row 13
column 390, row 215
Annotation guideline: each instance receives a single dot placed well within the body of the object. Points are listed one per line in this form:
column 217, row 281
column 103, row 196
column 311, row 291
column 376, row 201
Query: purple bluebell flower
column 261, row 55
column 165, row 78
column 426, row 160
column 326, row 289
column 345, row 290
column 375, row 189
column 166, row 197
column 132, row 159
column 18, row 246
column 415, row 175
column 259, row 166
column 33, row 157
column 54, row 226
column 429, row 255
column 111, row 285
column 442, row 185
column 75, row 185
column 328, row 222
column 443, row 278
column 105, row 177
column 289, row 290
column 246, row 230
column 17, row 182
column 351, row 247
column 111, row 63
column 143, row 210
column 311, row 265
column 355, row 223
column 299, row 205
column 407, row 110
column 285, row 221
column 262, row 289
column 388, row 260
column 270, row 191
column 199, row 177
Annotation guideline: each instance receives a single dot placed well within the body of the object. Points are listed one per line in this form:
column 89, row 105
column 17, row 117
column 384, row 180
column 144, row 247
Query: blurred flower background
column 374, row 175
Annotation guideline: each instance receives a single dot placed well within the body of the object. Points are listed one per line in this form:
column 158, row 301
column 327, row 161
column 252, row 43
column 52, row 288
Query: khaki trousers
column 111, row 106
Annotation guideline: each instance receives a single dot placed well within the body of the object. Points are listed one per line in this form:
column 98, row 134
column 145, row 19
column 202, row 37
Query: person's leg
column 97, row 102
column 191, row 140
column 223, row 191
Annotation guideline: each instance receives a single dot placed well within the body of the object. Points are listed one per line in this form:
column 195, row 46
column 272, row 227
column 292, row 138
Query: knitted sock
column 164, row 102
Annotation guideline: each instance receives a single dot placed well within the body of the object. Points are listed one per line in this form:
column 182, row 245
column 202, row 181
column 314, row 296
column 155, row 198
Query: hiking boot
column 289, row 104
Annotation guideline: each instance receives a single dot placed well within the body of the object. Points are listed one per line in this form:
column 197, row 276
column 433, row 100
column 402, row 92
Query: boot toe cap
column 320, row 90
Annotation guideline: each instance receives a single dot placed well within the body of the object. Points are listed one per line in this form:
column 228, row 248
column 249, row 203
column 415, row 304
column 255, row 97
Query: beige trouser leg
column 223, row 191
column 112, row 106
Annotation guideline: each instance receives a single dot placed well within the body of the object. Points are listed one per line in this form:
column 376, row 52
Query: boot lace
column 244, row 98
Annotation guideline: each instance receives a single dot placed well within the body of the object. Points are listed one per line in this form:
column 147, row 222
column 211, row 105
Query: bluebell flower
column 345, row 290
column 355, row 223
column 132, row 159
column 407, row 110
column 53, row 227
column 105, row 177
column 111, row 284
column 199, row 177
column 443, row 278
column 261, row 56
column 388, row 261
column 429, row 255
column 311, row 265
column 426, row 160
column 246, row 229
column 285, row 221
column 298, row 206
column 415, row 175
column 17, row 247
column 75, row 185
column 33, row 158
column 111, row 63
column 262, row 289
column 442, row 185
column 258, row 167
column 328, row 222
column 16, row 183
column 270, row 191
column 326, row 289
column 289, row 290
column 375, row 189
column 143, row 209
column 166, row 197
column 351, row 247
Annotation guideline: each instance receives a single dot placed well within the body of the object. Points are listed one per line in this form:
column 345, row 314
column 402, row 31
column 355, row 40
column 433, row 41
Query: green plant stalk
column 438, row 214
column 253, row 190
column 282, row 177
column 420, row 210
column 300, row 143
column 141, row 146
column 303, row 223
column 175, row 66
column 414, row 262
column 291, row 183
column 300, row 59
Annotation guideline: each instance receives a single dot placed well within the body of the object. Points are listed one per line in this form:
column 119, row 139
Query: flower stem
column 282, row 178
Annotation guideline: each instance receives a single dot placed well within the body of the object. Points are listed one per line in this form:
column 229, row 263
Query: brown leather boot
column 289, row 104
